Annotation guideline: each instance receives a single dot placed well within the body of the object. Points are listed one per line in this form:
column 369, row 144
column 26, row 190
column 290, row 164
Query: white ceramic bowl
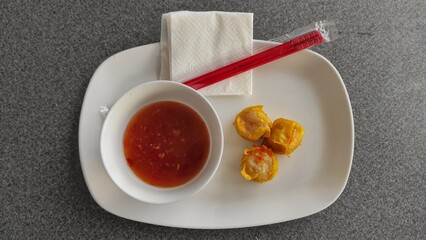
column 116, row 122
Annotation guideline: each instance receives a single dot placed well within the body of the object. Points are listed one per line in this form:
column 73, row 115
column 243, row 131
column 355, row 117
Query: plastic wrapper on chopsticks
column 302, row 38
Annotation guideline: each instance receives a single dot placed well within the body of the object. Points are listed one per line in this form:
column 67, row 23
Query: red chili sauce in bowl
column 166, row 144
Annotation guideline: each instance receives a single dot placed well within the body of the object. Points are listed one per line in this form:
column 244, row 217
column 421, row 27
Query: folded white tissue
column 191, row 41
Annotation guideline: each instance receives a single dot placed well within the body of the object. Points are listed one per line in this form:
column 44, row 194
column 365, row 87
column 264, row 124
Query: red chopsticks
column 302, row 42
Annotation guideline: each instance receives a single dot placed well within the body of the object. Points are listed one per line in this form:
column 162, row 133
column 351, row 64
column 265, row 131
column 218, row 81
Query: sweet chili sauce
column 166, row 144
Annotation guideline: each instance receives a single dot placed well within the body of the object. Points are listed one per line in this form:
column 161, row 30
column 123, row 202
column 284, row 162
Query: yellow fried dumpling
column 252, row 123
column 259, row 164
column 286, row 135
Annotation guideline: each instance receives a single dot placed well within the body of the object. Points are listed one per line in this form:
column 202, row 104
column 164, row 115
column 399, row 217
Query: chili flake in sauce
column 166, row 144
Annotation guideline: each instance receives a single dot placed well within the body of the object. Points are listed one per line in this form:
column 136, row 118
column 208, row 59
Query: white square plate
column 304, row 87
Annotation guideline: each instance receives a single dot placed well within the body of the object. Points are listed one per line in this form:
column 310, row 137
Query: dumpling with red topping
column 259, row 164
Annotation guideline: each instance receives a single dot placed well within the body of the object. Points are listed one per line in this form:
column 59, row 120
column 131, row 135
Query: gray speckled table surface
column 50, row 49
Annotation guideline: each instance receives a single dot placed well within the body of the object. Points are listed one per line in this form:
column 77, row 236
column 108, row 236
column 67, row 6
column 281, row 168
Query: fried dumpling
column 259, row 164
column 286, row 135
column 252, row 123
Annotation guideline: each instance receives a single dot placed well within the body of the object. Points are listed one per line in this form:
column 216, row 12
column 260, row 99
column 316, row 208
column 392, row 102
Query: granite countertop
column 50, row 49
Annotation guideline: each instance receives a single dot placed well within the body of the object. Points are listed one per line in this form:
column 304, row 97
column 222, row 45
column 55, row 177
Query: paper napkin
column 196, row 42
